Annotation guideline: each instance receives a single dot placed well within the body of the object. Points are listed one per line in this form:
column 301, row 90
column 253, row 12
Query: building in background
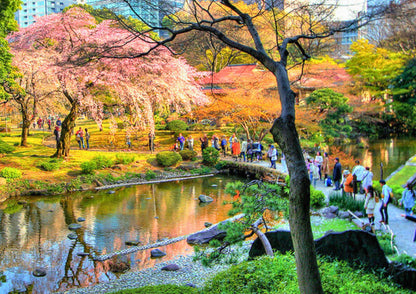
column 32, row 9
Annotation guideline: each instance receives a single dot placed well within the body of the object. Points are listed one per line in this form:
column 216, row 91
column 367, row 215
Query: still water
column 36, row 234
column 391, row 153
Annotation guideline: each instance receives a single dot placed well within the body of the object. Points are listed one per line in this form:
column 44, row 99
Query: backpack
column 328, row 182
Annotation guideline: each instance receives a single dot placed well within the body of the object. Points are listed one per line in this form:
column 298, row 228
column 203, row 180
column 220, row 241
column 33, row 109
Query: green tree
column 373, row 68
column 7, row 25
column 334, row 108
column 404, row 99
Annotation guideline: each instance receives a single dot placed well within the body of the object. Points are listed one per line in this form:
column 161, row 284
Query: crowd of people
column 240, row 149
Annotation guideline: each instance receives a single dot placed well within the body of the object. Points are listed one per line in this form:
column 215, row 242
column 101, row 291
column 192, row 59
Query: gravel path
column 190, row 273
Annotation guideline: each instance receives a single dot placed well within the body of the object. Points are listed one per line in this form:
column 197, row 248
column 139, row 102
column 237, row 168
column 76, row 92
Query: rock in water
column 132, row 243
column 74, row 227
column 81, row 219
column 157, row 253
column 39, row 272
column 72, row 236
column 205, row 199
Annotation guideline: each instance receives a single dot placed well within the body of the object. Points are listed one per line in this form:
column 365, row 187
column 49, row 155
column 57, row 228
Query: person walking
column 128, row 141
column 235, row 148
column 358, row 174
column 181, row 140
column 337, row 175
column 224, row 146
column 370, row 204
column 386, row 197
column 204, row 142
column 190, row 141
column 272, row 153
column 80, row 138
column 325, row 165
column 57, row 133
column 243, row 149
column 250, row 151
column 408, row 200
column 315, row 173
column 216, row 144
column 87, row 138
column 319, row 160
column 348, row 182
column 367, row 180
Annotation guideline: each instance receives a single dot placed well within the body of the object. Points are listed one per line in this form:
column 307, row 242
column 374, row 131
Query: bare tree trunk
column 285, row 134
column 64, row 144
column 25, row 125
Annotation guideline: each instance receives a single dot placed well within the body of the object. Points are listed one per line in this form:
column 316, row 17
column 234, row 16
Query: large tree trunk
column 64, row 144
column 26, row 121
column 285, row 134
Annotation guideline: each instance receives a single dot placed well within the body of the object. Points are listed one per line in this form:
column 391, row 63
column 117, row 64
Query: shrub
column 88, row 167
column 10, row 173
column 149, row 175
column 50, row 165
column 160, row 289
column 5, row 148
column 197, row 127
column 188, row 154
column 102, row 161
column 168, row 158
column 346, row 202
column 317, row 198
column 405, row 259
column 177, row 126
column 278, row 275
column 221, row 165
column 210, row 156
column 125, row 158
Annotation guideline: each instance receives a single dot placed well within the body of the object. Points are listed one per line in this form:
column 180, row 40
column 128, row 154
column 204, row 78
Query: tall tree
column 139, row 85
column 7, row 25
column 29, row 87
column 373, row 68
column 286, row 48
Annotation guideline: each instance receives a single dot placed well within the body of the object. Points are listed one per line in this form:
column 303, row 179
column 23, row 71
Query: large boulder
column 403, row 275
column 352, row 246
column 279, row 240
column 205, row 236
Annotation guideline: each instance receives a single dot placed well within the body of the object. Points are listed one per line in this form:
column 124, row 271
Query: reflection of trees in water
column 38, row 232
column 75, row 273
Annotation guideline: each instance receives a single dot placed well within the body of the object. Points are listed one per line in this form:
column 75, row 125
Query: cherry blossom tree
column 70, row 41
column 28, row 87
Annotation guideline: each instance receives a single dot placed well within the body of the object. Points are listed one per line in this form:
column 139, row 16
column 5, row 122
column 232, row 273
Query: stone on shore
column 204, row 237
column 205, row 199
column 171, row 267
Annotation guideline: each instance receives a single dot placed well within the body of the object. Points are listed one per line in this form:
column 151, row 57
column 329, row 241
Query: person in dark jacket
column 337, row 174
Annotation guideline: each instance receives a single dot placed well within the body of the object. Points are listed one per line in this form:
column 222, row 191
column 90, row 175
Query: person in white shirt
column 367, row 180
column 319, row 160
column 358, row 174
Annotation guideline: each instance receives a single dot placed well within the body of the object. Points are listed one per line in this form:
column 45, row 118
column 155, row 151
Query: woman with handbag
column 370, row 204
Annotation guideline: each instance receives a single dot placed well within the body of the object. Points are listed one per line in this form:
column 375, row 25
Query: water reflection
column 36, row 236
column 392, row 153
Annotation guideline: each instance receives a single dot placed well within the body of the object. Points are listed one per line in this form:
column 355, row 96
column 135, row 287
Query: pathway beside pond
column 403, row 229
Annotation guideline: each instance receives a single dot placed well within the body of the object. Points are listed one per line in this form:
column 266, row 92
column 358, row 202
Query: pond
column 392, row 153
column 35, row 236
